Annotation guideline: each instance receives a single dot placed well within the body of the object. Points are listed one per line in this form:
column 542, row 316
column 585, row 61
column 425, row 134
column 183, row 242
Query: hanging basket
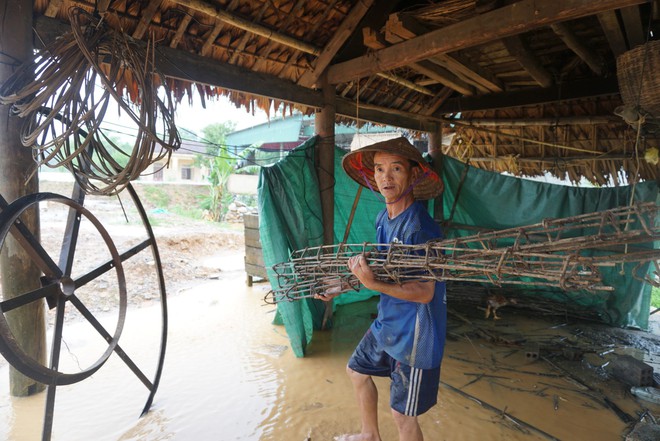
column 638, row 72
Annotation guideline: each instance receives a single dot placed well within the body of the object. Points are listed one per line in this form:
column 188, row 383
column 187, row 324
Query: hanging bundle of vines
column 64, row 93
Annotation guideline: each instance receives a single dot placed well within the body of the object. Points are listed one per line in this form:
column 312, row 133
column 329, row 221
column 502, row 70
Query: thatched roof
column 529, row 86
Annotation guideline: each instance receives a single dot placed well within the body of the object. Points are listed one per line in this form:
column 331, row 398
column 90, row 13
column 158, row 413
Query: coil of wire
column 65, row 91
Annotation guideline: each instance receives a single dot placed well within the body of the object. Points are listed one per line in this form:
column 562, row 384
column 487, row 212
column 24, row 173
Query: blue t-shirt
column 412, row 333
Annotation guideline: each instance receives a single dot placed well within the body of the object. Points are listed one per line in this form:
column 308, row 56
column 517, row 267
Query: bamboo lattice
column 565, row 253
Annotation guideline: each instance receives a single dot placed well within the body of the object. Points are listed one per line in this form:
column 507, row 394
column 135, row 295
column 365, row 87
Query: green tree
column 220, row 164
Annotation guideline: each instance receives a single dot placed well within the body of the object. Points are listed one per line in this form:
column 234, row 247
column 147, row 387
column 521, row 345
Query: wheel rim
column 58, row 289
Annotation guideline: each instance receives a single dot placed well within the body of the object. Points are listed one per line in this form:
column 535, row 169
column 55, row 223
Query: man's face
column 393, row 175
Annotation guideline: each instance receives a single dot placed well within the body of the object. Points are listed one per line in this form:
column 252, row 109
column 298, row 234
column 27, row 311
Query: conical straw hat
column 359, row 165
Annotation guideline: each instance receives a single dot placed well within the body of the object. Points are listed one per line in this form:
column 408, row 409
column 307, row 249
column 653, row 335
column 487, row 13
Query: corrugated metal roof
column 276, row 131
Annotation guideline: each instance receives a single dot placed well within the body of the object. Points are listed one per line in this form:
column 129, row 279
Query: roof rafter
column 436, row 73
column 343, row 33
column 592, row 59
column 518, row 49
column 399, row 28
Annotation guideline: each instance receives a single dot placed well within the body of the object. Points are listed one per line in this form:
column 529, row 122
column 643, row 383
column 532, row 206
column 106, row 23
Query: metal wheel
column 71, row 285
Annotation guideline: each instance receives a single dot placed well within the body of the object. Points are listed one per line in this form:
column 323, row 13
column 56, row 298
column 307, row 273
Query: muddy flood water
column 230, row 374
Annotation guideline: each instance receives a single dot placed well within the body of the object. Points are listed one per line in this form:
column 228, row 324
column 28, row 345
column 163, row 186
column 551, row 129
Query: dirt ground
column 184, row 244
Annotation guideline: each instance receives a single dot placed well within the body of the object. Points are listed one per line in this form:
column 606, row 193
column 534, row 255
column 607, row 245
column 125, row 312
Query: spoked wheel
column 89, row 288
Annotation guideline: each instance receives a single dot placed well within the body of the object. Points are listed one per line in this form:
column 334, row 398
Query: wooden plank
column 503, row 22
column 519, row 50
column 252, row 242
column 610, row 24
column 343, row 32
column 252, row 234
column 254, row 256
column 146, row 15
column 251, row 221
column 256, row 270
column 593, row 60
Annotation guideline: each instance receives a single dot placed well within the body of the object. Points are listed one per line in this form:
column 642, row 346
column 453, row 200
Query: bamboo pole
column 19, row 274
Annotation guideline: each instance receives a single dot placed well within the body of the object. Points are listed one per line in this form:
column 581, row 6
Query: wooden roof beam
column 633, row 25
column 503, row 22
column 373, row 41
column 146, row 16
column 533, row 97
column 438, row 101
column 610, row 24
column 246, row 25
column 343, row 33
column 400, row 28
column 559, row 121
column 174, row 42
column 210, row 39
column 593, row 60
column 519, row 50
column 385, row 115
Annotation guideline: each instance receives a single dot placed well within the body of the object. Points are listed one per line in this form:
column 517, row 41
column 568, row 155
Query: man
column 406, row 340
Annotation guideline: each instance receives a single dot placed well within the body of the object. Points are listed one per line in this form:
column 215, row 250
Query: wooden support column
column 18, row 273
column 324, row 124
column 435, row 151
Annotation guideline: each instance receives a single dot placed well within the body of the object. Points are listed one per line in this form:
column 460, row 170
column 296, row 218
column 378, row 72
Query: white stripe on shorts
column 413, row 391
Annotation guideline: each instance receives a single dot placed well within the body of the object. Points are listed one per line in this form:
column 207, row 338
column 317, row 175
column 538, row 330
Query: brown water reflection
column 230, row 375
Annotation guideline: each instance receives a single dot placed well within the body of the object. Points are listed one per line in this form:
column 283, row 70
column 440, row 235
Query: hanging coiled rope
column 64, row 94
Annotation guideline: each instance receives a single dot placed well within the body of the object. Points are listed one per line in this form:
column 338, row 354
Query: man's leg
column 408, row 427
column 367, row 398
column 413, row 392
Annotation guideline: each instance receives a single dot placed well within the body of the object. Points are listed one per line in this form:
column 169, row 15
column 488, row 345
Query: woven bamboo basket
column 638, row 73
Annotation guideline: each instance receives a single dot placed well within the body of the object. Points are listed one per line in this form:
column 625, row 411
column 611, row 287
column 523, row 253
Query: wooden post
column 18, row 273
column 324, row 123
column 435, row 151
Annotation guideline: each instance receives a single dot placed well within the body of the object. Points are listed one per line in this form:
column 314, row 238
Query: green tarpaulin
column 290, row 219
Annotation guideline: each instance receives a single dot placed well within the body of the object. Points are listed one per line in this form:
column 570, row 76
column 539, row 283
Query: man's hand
column 359, row 266
column 332, row 289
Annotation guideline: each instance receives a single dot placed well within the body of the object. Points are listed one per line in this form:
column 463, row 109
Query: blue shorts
column 413, row 391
